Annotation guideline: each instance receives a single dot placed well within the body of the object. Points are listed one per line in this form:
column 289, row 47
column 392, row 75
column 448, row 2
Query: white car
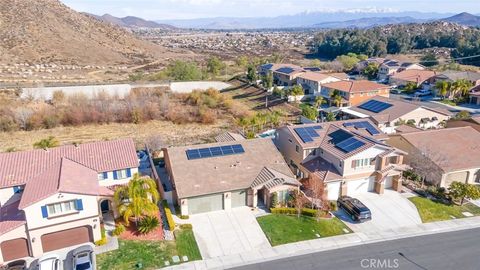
column 49, row 262
column 83, row 258
column 422, row 93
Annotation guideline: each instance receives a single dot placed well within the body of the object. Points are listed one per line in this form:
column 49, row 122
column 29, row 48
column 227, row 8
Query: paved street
column 224, row 233
column 390, row 210
column 453, row 250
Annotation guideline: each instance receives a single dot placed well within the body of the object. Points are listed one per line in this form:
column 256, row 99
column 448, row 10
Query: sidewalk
column 316, row 245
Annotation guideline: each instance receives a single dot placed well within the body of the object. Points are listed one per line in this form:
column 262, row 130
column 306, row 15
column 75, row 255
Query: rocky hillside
column 464, row 18
column 48, row 31
column 132, row 22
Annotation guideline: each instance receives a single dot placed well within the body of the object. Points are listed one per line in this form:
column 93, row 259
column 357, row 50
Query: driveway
column 391, row 210
column 230, row 232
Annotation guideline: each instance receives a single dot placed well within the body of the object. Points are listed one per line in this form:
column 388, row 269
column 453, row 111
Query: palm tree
column 138, row 198
column 443, row 88
column 337, row 100
column 319, row 101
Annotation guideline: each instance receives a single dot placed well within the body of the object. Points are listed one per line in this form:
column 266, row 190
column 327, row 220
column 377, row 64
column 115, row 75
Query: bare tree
column 299, row 202
column 22, row 116
column 428, row 163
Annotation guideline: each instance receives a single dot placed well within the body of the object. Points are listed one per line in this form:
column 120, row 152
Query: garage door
column 14, row 249
column 360, row 186
column 389, row 182
column 239, row 198
column 333, row 191
column 67, row 238
column 456, row 177
column 205, row 204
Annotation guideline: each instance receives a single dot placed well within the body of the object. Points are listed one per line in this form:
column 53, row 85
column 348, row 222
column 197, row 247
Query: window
column 122, row 174
column 297, row 148
column 102, row 176
column 360, row 163
column 17, row 189
column 61, row 208
column 290, row 140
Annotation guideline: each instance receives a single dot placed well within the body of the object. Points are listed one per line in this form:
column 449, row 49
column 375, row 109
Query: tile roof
column 458, row 147
column 356, row 86
column 323, row 169
column 19, row 167
column 270, row 178
column 66, row 176
column 407, row 129
column 229, row 137
column 11, row 217
column 398, row 109
column 414, row 75
column 456, row 75
column 224, row 173
column 314, row 76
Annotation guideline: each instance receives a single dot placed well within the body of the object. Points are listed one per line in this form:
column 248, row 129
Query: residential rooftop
column 353, row 86
column 414, row 75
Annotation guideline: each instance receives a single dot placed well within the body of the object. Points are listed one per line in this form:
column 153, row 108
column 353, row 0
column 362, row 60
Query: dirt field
column 170, row 133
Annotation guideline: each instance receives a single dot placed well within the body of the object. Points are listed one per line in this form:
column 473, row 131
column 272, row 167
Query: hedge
column 168, row 213
column 292, row 211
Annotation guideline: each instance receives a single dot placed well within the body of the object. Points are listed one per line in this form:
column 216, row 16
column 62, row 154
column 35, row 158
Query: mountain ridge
column 131, row 22
column 464, row 18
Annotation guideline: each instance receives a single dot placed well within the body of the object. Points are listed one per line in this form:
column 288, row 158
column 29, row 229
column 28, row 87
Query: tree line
column 398, row 39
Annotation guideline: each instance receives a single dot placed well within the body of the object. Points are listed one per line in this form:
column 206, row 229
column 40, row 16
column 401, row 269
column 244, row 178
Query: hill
column 48, row 31
column 367, row 22
column 132, row 22
column 464, row 18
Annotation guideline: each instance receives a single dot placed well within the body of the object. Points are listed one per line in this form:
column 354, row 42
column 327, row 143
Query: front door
column 105, row 206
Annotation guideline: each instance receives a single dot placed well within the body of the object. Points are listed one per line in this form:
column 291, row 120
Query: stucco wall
column 370, row 153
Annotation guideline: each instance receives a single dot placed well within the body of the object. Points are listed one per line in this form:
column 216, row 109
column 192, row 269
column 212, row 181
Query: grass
column 448, row 102
column 151, row 254
column 431, row 211
column 186, row 245
column 283, row 229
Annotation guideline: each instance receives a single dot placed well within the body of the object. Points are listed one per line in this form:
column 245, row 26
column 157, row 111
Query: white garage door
column 205, row 204
column 389, row 182
column 360, row 186
column 333, row 191
column 239, row 198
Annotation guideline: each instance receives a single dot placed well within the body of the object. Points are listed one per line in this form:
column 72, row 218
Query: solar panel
column 363, row 124
column 339, row 136
column 350, row 145
column 307, row 134
column 285, row 70
column 214, row 151
column 375, row 106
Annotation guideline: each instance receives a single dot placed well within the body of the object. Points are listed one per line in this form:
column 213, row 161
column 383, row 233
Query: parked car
column 83, row 258
column 49, row 262
column 396, row 91
column 355, row 208
column 422, row 93
column 15, row 265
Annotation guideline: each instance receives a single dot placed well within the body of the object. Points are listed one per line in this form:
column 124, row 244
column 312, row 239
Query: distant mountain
column 48, row 31
column 302, row 20
column 464, row 19
column 367, row 22
column 132, row 22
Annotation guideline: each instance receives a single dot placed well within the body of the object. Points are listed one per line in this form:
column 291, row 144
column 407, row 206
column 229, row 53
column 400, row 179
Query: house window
column 360, row 163
column 61, row 208
column 297, row 148
column 122, row 174
column 283, row 196
column 102, row 176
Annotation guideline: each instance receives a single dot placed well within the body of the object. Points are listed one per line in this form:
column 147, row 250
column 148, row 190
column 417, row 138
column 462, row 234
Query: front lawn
column 151, row 254
column 283, row 229
column 431, row 211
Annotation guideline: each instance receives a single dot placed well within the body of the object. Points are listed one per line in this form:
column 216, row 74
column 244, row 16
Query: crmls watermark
column 379, row 263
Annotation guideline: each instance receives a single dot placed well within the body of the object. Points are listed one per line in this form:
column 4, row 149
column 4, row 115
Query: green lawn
column 151, row 254
column 283, row 229
column 431, row 211
column 186, row 245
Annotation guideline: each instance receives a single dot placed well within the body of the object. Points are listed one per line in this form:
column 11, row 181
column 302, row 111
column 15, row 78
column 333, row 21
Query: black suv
column 355, row 208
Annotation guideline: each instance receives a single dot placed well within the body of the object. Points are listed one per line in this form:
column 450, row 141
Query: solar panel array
column 286, row 70
column 307, row 134
column 215, row 151
column 339, row 136
column 350, row 145
column 375, row 106
column 363, row 124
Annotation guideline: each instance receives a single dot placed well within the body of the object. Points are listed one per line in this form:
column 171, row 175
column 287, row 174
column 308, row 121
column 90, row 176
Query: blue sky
column 187, row 9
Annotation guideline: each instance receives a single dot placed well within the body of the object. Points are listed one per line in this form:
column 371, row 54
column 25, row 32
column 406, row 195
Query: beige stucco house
column 443, row 156
column 224, row 175
column 389, row 114
column 54, row 198
column 348, row 157
column 391, row 67
column 312, row 82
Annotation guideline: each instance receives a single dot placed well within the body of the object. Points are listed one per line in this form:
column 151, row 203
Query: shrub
column 119, row 229
column 147, row 224
column 102, row 241
column 186, row 226
column 184, row 217
column 274, row 200
column 292, row 211
column 168, row 214
column 333, row 206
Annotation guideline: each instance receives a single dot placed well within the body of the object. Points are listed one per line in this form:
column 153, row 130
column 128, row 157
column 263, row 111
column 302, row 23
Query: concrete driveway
column 390, row 211
column 223, row 233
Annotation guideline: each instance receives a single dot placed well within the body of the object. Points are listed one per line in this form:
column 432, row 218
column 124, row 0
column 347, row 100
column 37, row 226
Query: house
column 360, row 66
column 442, row 156
column 348, row 157
column 388, row 114
column 354, row 92
column 224, row 175
column 312, row 82
column 473, row 122
column 419, row 77
column 286, row 75
column 392, row 67
column 452, row 76
column 474, row 95
column 54, row 198
column 265, row 69
column 229, row 137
